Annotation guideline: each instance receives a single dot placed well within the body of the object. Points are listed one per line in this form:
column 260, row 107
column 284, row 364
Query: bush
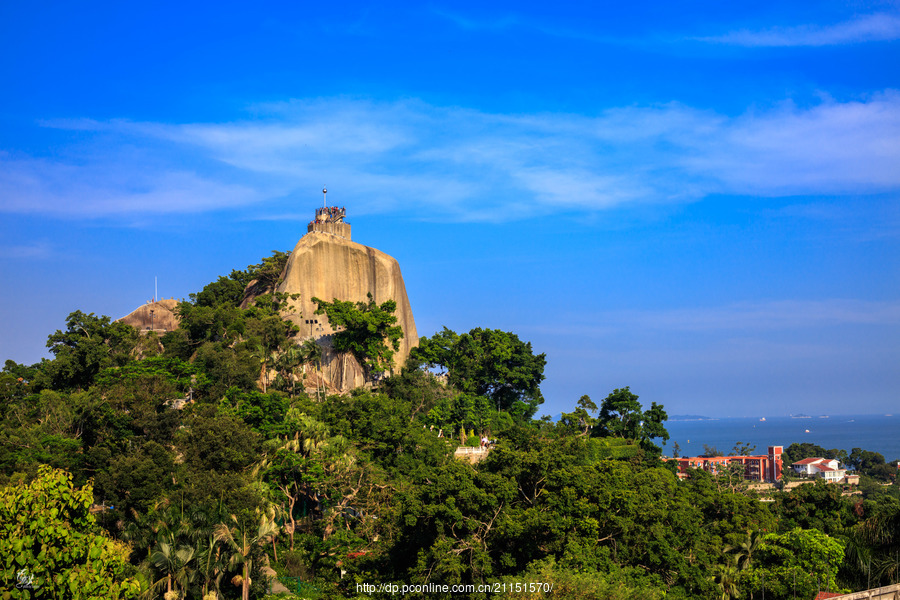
column 293, row 563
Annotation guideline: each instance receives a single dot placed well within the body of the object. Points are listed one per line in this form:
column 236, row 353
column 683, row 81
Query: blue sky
column 698, row 201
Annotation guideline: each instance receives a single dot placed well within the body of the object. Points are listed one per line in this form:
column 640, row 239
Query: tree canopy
column 368, row 330
column 50, row 545
column 488, row 362
column 174, row 466
column 621, row 415
column 89, row 344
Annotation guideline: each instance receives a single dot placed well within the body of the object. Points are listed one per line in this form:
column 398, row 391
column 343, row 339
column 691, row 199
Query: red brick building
column 756, row 468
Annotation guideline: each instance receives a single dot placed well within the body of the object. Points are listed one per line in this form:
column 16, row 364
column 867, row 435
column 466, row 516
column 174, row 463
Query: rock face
column 157, row 316
column 327, row 265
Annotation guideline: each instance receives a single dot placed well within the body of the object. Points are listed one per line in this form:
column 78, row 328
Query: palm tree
column 288, row 361
column 880, row 535
column 265, row 355
column 240, row 538
column 311, row 353
column 727, row 578
column 175, row 564
column 210, row 562
column 743, row 552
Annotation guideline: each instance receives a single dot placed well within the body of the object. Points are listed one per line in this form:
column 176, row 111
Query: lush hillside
column 206, row 465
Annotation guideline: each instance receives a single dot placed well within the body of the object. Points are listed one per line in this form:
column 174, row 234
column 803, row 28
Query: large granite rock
column 157, row 316
column 329, row 266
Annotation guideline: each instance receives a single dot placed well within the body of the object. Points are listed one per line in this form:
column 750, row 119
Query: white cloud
column 34, row 250
column 98, row 189
column 867, row 28
column 461, row 163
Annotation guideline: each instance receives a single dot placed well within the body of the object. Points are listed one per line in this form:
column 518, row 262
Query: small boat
column 807, row 431
column 763, row 419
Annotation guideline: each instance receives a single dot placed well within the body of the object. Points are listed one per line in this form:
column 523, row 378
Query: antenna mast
column 324, row 196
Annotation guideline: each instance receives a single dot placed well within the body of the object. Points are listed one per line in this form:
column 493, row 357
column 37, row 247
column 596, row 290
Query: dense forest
column 196, row 464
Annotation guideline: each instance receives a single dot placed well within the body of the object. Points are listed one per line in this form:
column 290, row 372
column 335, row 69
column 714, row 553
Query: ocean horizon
column 877, row 433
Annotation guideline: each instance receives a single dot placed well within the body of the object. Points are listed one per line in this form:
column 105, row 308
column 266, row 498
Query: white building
column 827, row 468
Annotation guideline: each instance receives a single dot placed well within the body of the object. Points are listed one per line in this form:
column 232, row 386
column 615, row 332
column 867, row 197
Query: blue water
column 877, row 433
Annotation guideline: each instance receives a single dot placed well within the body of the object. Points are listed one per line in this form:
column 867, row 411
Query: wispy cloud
column 879, row 27
column 100, row 189
column 34, row 250
column 463, row 164
column 499, row 23
column 518, row 23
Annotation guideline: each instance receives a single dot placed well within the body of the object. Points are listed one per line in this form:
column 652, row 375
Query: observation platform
column 330, row 219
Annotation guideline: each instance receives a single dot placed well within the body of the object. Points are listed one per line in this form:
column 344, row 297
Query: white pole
column 155, row 289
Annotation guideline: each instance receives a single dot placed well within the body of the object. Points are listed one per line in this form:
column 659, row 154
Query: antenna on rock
column 324, row 196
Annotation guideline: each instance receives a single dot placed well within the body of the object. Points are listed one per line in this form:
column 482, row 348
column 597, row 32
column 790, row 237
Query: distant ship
column 763, row 419
column 807, row 431
column 801, row 416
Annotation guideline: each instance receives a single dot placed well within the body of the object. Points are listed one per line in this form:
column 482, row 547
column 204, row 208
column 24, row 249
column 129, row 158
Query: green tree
column 229, row 291
column 742, row 449
column 436, row 351
column 744, row 550
column 175, row 563
column 816, row 505
column 488, row 362
column 711, row 451
column 878, row 538
column 621, row 415
column 798, row 451
column 870, row 463
column 218, row 443
column 806, row 556
column 469, row 411
column 241, row 538
column 89, row 344
column 727, row 579
column 48, row 537
column 368, row 331
column 226, row 367
column 136, row 479
column 581, row 420
column 287, row 363
column 310, row 353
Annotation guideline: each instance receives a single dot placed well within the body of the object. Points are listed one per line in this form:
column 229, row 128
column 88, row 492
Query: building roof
column 809, row 461
column 724, row 458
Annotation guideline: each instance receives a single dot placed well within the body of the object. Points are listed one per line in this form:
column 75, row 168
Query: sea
column 877, row 433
